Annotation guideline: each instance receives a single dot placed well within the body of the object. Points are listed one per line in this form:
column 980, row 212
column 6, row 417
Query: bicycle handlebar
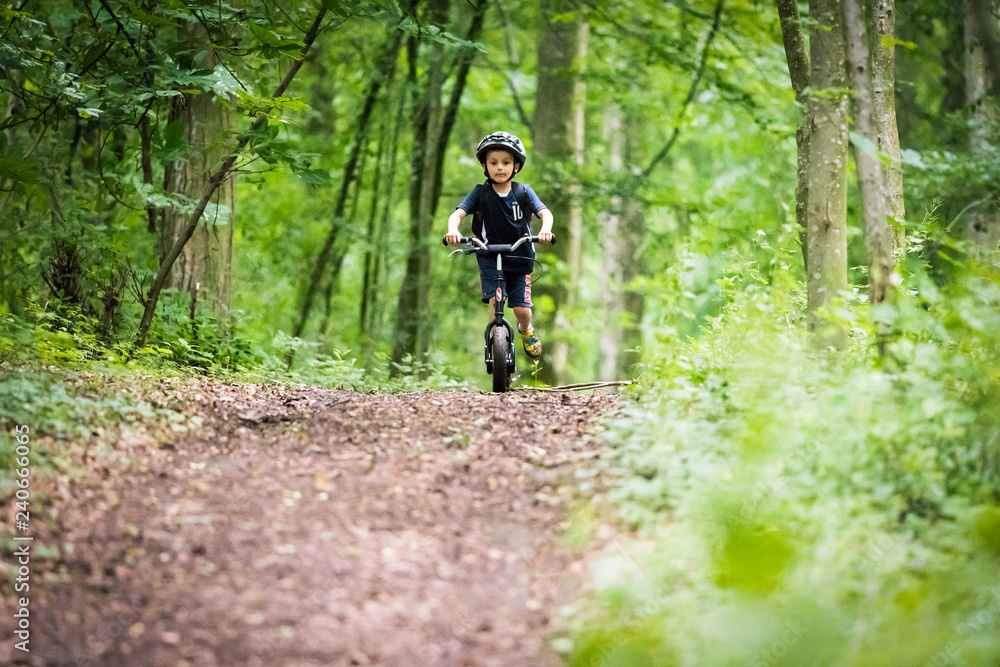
column 472, row 244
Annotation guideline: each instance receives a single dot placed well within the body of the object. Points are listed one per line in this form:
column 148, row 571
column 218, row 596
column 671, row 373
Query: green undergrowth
column 55, row 335
column 77, row 389
column 795, row 507
column 66, row 416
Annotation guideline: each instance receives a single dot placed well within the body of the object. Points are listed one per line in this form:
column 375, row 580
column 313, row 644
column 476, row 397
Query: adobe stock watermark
column 876, row 547
column 23, row 539
column 773, row 654
column 982, row 620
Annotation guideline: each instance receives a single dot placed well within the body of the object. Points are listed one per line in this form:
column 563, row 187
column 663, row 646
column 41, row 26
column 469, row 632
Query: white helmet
column 503, row 140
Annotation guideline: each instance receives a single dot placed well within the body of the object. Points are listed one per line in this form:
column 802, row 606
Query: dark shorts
column 518, row 284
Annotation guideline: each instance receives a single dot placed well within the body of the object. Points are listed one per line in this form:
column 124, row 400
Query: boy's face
column 500, row 165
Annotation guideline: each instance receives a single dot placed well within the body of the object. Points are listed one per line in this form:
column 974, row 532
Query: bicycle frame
column 473, row 244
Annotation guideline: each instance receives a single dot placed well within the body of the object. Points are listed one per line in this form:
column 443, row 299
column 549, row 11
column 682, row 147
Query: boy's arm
column 542, row 211
column 453, row 237
column 545, row 234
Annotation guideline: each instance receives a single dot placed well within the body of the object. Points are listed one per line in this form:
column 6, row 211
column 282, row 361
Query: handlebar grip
column 466, row 239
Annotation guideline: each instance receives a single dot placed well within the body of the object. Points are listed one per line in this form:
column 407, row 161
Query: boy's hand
column 454, row 220
column 545, row 234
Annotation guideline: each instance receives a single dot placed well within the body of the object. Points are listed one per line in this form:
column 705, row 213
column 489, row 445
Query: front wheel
column 501, row 350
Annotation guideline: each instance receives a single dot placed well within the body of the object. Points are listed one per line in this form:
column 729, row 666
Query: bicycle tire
column 501, row 350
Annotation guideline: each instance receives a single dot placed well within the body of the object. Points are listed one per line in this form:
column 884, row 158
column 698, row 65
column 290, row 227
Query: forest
column 778, row 236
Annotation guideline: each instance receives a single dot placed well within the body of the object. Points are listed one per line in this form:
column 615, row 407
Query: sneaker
column 532, row 345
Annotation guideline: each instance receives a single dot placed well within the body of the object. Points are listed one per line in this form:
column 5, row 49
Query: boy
column 502, row 156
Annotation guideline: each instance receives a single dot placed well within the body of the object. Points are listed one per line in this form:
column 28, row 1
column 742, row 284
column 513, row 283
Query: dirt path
column 312, row 527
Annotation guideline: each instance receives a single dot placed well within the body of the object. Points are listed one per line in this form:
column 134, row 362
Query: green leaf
column 885, row 313
column 170, row 145
column 89, row 112
column 890, row 42
column 337, row 7
column 151, row 20
column 17, row 170
column 866, row 146
column 912, row 158
column 410, row 27
column 316, row 178
column 753, row 559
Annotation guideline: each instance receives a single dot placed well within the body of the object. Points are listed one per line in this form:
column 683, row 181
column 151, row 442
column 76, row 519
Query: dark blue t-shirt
column 505, row 222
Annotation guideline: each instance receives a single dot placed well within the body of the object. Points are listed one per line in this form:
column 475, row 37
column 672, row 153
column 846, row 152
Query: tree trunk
column 983, row 222
column 883, row 72
column 412, row 324
column 610, row 339
column 207, row 258
column 384, row 74
column 622, row 230
column 634, row 302
column 377, row 308
column 553, row 134
column 826, row 234
column 799, row 72
column 632, row 263
column 878, row 236
column 984, row 16
column 574, row 229
column 369, row 273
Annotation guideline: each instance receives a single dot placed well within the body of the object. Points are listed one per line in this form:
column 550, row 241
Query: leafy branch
column 692, row 90
column 214, row 181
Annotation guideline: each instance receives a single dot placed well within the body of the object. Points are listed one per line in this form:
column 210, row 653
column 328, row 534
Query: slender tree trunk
column 878, row 236
column 826, row 234
column 328, row 252
column 369, row 279
column 464, row 65
column 633, row 231
column 147, row 168
column 883, row 70
column 383, row 230
column 984, row 16
column 622, row 230
column 412, row 325
column 145, row 132
column 799, row 72
column 983, row 110
column 331, row 281
column 610, row 339
column 552, row 133
column 574, row 229
column 983, row 222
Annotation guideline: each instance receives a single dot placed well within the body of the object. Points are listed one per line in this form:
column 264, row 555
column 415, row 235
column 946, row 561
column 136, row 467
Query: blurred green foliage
column 799, row 509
